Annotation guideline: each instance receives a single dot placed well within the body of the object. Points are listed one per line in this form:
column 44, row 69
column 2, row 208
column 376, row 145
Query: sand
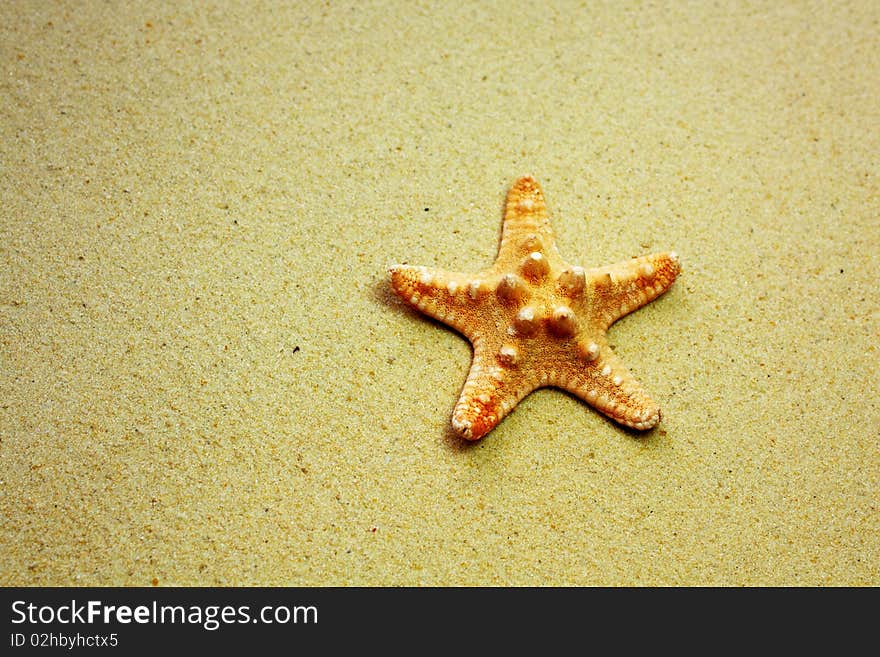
column 205, row 378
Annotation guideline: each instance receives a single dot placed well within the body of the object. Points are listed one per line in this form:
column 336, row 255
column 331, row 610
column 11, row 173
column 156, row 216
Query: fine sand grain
column 205, row 378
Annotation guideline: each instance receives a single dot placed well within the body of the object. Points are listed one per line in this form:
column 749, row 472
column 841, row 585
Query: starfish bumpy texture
column 536, row 321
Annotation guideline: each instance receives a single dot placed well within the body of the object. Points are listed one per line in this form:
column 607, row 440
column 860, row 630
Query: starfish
column 536, row 321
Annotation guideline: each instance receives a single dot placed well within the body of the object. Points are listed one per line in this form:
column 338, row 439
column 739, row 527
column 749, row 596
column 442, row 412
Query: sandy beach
column 206, row 379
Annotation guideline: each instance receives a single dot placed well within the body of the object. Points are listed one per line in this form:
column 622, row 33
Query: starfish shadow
column 648, row 437
column 456, row 443
column 382, row 294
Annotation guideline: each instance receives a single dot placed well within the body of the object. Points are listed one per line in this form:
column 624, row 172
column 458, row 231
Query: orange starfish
column 535, row 321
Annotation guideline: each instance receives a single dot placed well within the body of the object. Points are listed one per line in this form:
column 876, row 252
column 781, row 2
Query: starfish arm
column 440, row 294
column 488, row 395
column 526, row 226
column 607, row 385
column 627, row 286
